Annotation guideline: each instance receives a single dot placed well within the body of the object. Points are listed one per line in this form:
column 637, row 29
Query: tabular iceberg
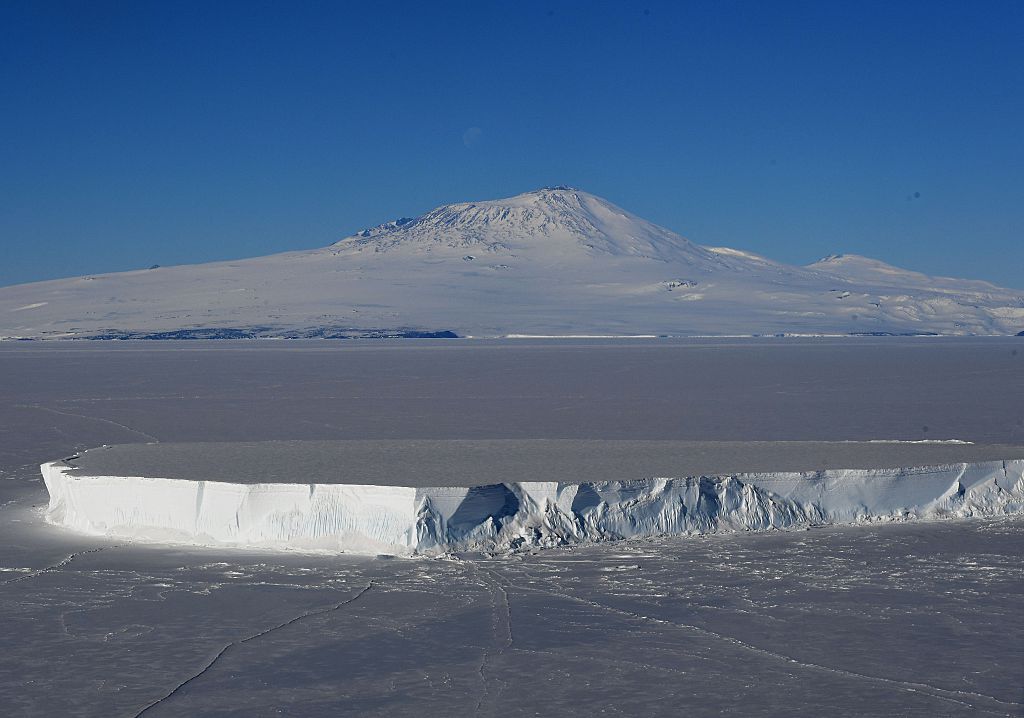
column 430, row 521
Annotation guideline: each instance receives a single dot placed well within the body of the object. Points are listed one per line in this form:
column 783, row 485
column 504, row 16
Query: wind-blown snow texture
column 407, row 520
column 557, row 261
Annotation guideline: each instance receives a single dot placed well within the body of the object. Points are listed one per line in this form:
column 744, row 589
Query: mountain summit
column 560, row 219
column 555, row 261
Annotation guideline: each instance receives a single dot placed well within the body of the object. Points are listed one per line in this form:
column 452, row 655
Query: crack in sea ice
column 86, row 416
column 57, row 566
column 500, row 619
column 220, row 654
column 959, row 697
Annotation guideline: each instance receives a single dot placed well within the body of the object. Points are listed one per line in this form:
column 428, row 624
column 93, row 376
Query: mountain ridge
column 554, row 261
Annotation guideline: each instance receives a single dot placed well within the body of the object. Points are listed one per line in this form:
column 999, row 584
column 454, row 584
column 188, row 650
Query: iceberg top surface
column 466, row 463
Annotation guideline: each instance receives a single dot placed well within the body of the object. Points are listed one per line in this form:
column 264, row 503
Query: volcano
column 557, row 261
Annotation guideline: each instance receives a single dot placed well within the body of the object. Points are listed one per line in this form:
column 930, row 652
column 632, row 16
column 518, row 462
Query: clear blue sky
column 139, row 133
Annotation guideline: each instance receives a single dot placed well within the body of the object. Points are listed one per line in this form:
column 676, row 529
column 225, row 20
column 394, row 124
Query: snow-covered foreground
column 909, row 618
column 553, row 262
column 515, row 515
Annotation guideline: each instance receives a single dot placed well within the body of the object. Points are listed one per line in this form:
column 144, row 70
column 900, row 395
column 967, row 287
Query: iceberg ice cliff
column 505, row 516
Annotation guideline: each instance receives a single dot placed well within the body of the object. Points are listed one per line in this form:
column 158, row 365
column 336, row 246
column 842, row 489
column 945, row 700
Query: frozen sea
column 920, row 618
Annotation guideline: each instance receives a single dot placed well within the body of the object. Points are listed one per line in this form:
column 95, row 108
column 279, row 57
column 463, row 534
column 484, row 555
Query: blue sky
column 164, row 133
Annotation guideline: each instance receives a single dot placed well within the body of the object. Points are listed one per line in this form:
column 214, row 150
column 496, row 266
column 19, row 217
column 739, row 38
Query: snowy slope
column 555, row 261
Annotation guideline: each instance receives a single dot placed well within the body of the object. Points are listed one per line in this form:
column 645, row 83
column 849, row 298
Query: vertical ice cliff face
column 552, row 513
column 496, row 517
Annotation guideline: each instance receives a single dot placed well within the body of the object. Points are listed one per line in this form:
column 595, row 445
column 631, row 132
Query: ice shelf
column 415, row 511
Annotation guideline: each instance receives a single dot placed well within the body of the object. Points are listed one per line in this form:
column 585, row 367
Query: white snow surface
column 552, row 262
column 499, row 517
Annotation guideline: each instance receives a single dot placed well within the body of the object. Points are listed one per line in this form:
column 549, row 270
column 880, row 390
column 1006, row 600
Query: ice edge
column 369, row 519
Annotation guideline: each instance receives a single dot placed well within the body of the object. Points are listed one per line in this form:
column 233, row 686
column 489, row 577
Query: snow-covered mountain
column 556, row 261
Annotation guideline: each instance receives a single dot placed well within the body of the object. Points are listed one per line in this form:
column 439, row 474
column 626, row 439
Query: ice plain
column 917, row 618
